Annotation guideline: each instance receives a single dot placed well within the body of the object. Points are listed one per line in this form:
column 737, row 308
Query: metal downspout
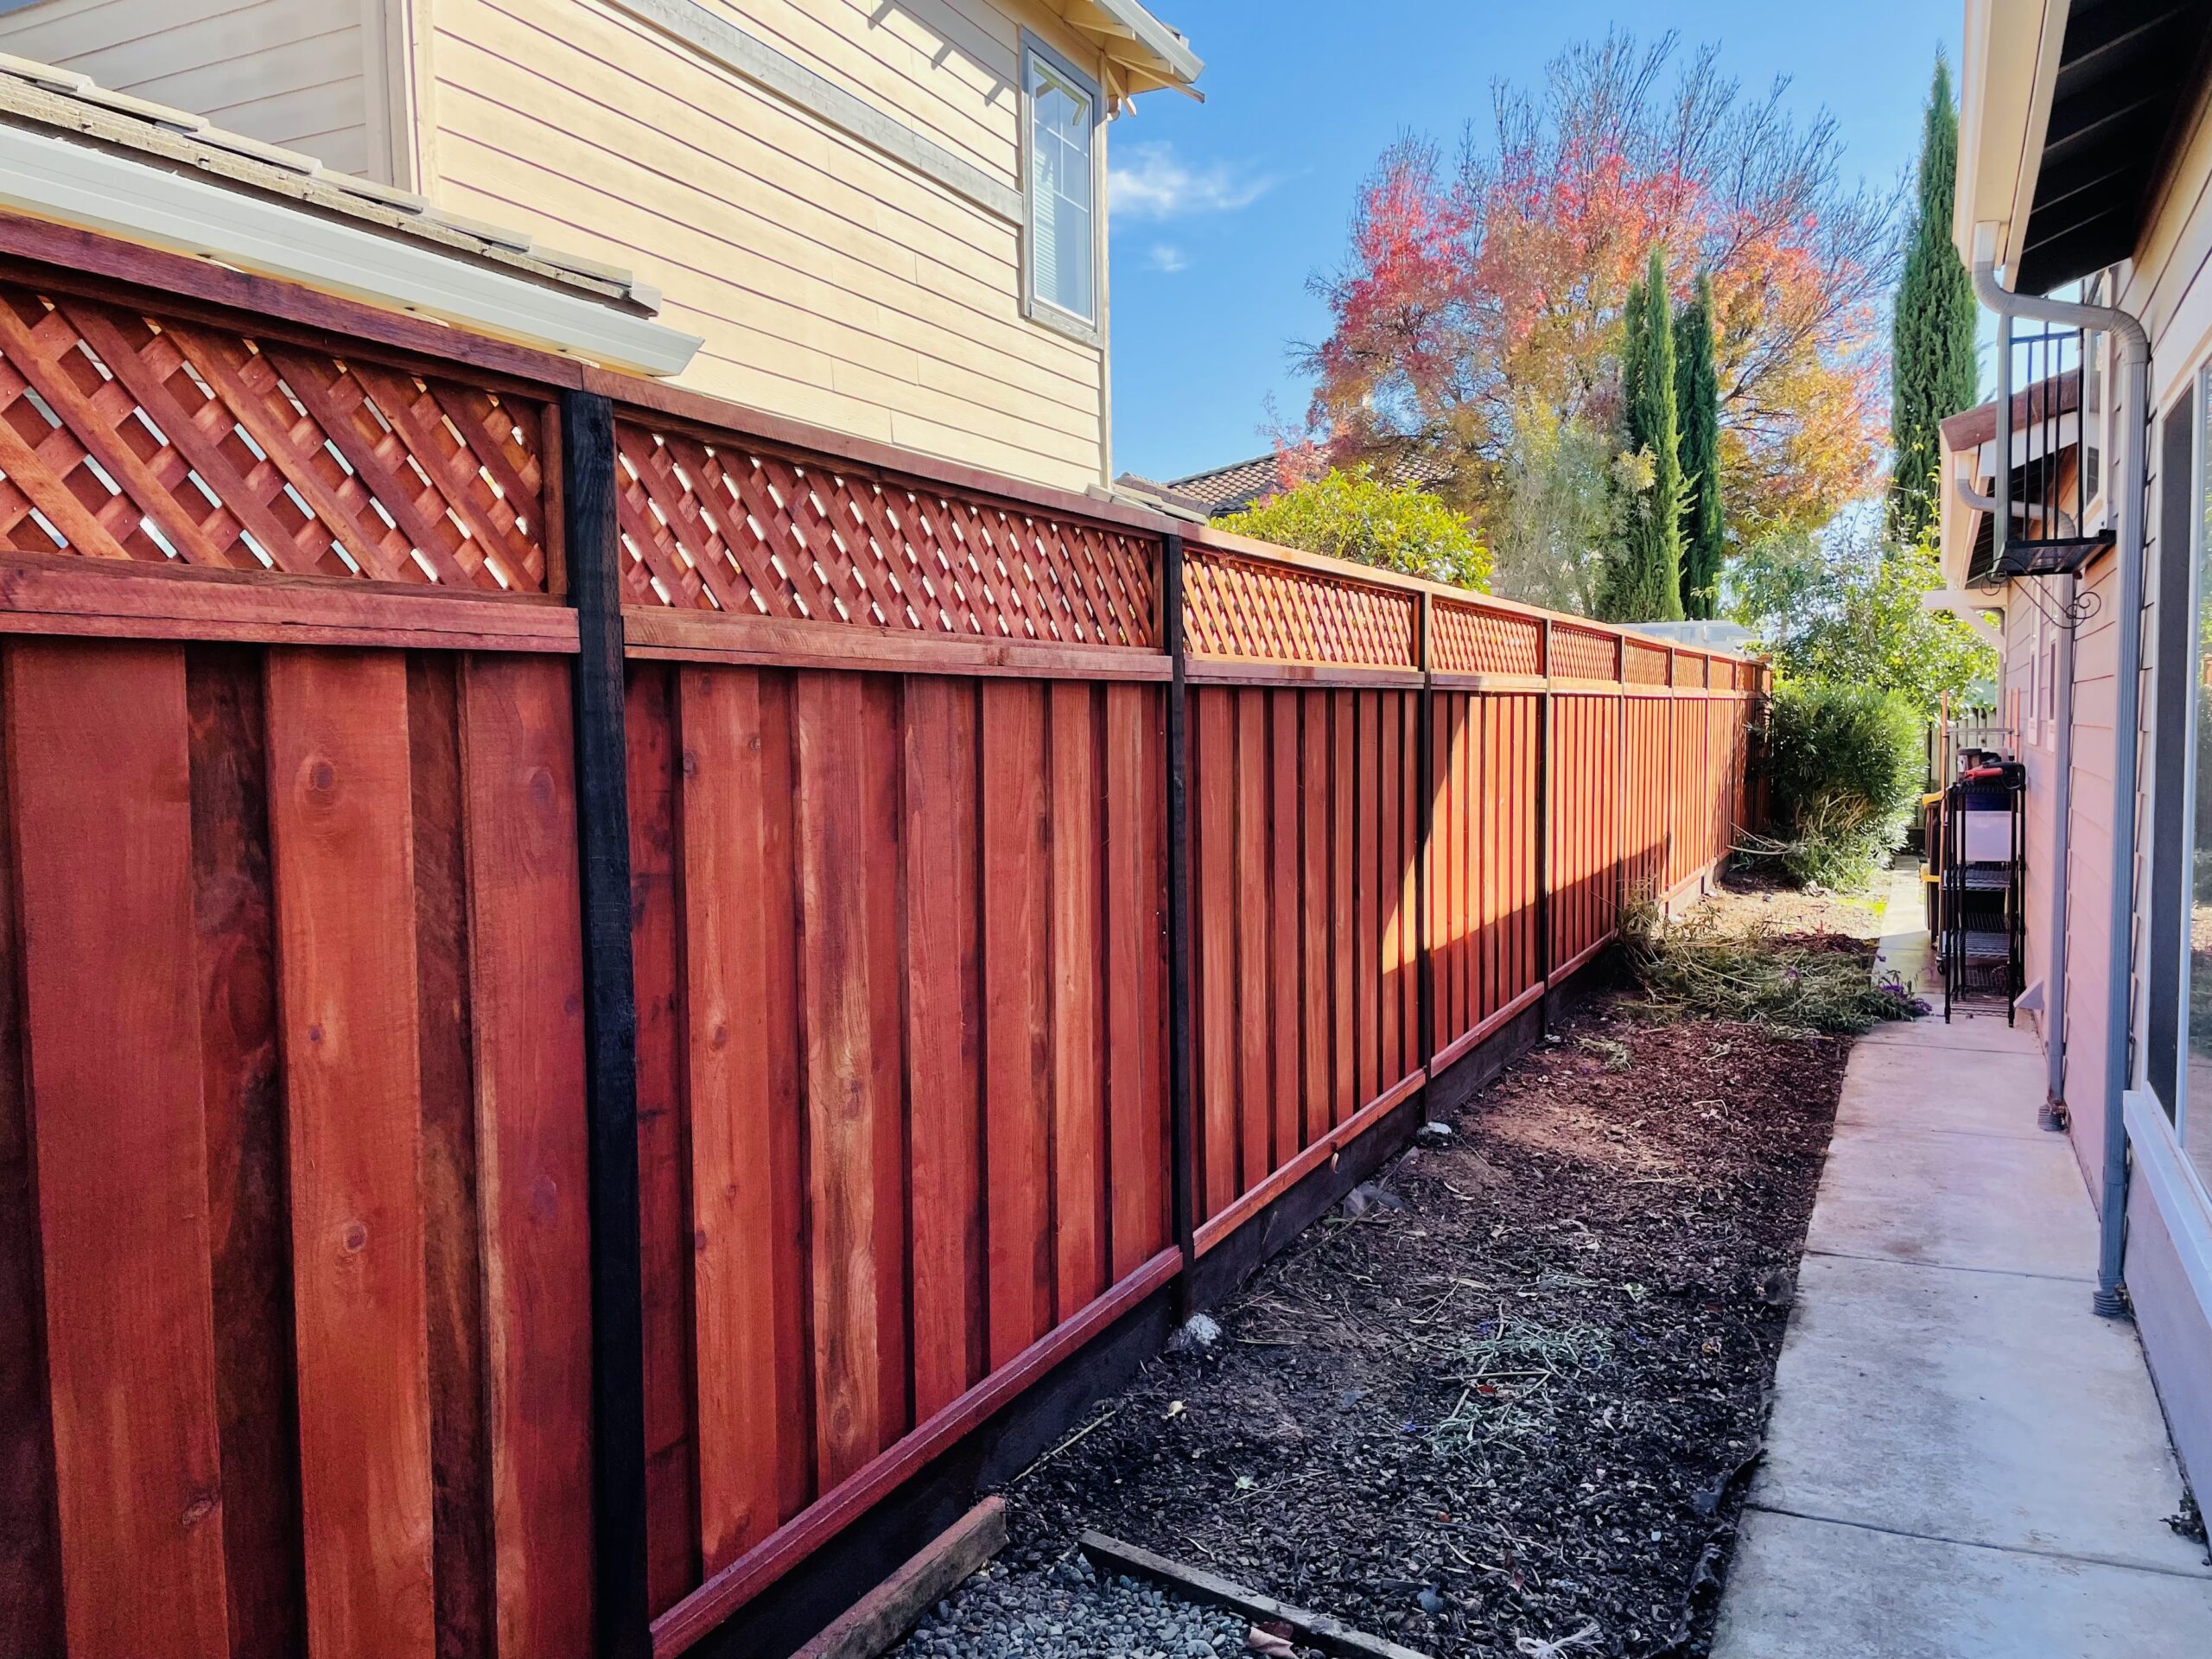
column 2061, row 852
column 2135, row 353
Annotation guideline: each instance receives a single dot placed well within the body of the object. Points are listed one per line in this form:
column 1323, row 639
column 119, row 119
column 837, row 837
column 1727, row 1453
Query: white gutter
column 2127, row 694
column 48, row 177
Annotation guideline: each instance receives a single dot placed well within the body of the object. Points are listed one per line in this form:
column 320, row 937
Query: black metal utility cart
column 1983, row 931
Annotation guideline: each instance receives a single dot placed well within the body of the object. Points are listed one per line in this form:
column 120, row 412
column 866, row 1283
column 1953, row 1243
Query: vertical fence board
column 1251, row 914
column 1078, row 1108
column 666, row 1232
column 1343, row 942
column 454, row 1314
column 1016, row 971
column 881, row 697
column 944, row 1038
column 1367, row 985
column 1136, row 1101
column 99, row 750
column 1315, row 947
column 527, row 996
column 1213, row 864
column 248, row 1228
column 340, row 822
column 1411, row 851
column 1389, row 882
column 30, row 1546
column 1285, row 1011
column 847, row 1102
column 1467, row 832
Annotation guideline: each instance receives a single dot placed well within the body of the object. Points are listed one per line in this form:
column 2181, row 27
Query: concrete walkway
column 1963, row 1461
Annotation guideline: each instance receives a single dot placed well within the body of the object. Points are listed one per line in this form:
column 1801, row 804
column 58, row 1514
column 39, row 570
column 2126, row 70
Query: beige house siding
column 294, row 72
column 835, row 279
column 832, row 282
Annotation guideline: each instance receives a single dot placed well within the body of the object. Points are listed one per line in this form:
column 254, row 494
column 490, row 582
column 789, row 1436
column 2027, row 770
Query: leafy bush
column 1844, row 764
column 1350, row 516
column 1843, row 606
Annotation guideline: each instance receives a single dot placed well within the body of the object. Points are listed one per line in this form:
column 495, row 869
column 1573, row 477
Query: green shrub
column 1843, row 767
column 1350, row 516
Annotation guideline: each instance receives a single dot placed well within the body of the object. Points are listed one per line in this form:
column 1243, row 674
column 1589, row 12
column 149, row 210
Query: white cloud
column 1150, row 182
column 1166, row 257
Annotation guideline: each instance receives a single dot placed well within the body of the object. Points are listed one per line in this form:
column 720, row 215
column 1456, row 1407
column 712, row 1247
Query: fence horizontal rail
column 347, row 670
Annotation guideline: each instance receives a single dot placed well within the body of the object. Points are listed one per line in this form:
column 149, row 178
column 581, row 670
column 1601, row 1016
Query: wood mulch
column 1512, row 1400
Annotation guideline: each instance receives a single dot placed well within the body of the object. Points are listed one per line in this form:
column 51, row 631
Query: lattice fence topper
column 1471, row 639
column 1274, row 613
column 1645, row 665
column 724, row 526
column 1582, row 653
column 124, row 435
column 1688, row 671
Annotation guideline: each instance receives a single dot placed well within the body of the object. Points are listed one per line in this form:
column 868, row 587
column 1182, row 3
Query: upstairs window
column 1060, row 151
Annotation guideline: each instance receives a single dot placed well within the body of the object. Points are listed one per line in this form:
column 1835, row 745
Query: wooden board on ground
column 893, row 1607
column 1307, row 1629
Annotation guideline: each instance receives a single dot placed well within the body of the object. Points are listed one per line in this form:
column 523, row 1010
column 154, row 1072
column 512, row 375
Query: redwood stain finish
column 98, row 749
column 725, row 876
column 309, row 1048
column 340, row 823
column 526, row 1002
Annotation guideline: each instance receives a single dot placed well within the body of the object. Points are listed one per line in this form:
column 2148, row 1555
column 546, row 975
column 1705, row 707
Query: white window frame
column 2172, row 1117
column 1091, row 331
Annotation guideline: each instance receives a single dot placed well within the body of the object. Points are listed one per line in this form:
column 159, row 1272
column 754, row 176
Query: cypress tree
column 1932, row 369
column 1697, row 405
column 1645, row 578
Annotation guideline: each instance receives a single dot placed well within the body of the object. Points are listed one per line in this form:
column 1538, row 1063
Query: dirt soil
column 1512, row 1397
column 1751, row 898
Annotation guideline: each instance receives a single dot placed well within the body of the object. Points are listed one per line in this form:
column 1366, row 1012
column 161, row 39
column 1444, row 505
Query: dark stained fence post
column 1622, row 777
column 1182, row 1175
column 623, row 1612
column 1424, row 814
column 1545, row 705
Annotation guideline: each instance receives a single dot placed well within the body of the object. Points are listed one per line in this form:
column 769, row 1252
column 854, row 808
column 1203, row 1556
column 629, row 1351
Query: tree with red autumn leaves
column 1482, row 303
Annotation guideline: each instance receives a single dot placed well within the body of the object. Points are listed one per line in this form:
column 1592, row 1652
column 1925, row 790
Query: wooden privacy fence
column 591, row 980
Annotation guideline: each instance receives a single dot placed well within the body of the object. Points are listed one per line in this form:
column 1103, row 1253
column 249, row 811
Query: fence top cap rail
column 167, row 178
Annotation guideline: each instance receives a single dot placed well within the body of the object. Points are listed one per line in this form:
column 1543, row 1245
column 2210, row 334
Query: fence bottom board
column 1583, row 957
column 1242, row 1251
column 807, row 1600
column 1468, row 1040
column 1251, row 1203
column 684, row 1624
column 1695, row 885
column 1237, row 1253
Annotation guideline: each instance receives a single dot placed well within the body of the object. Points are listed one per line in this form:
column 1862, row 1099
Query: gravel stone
column 1065, row 1610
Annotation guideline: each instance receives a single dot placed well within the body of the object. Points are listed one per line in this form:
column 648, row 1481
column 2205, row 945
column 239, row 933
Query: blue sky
column 1221, row 210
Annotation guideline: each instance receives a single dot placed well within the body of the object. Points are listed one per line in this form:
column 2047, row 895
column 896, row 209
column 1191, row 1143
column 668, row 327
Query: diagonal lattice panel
column 125, row 435
column 1583, row 653
column 720, row 525
column 1272, row 612
column 1475, row 639
column 1644, row 664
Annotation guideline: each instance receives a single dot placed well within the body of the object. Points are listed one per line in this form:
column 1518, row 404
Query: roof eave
column 2010, row 70
column 1142, row 43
